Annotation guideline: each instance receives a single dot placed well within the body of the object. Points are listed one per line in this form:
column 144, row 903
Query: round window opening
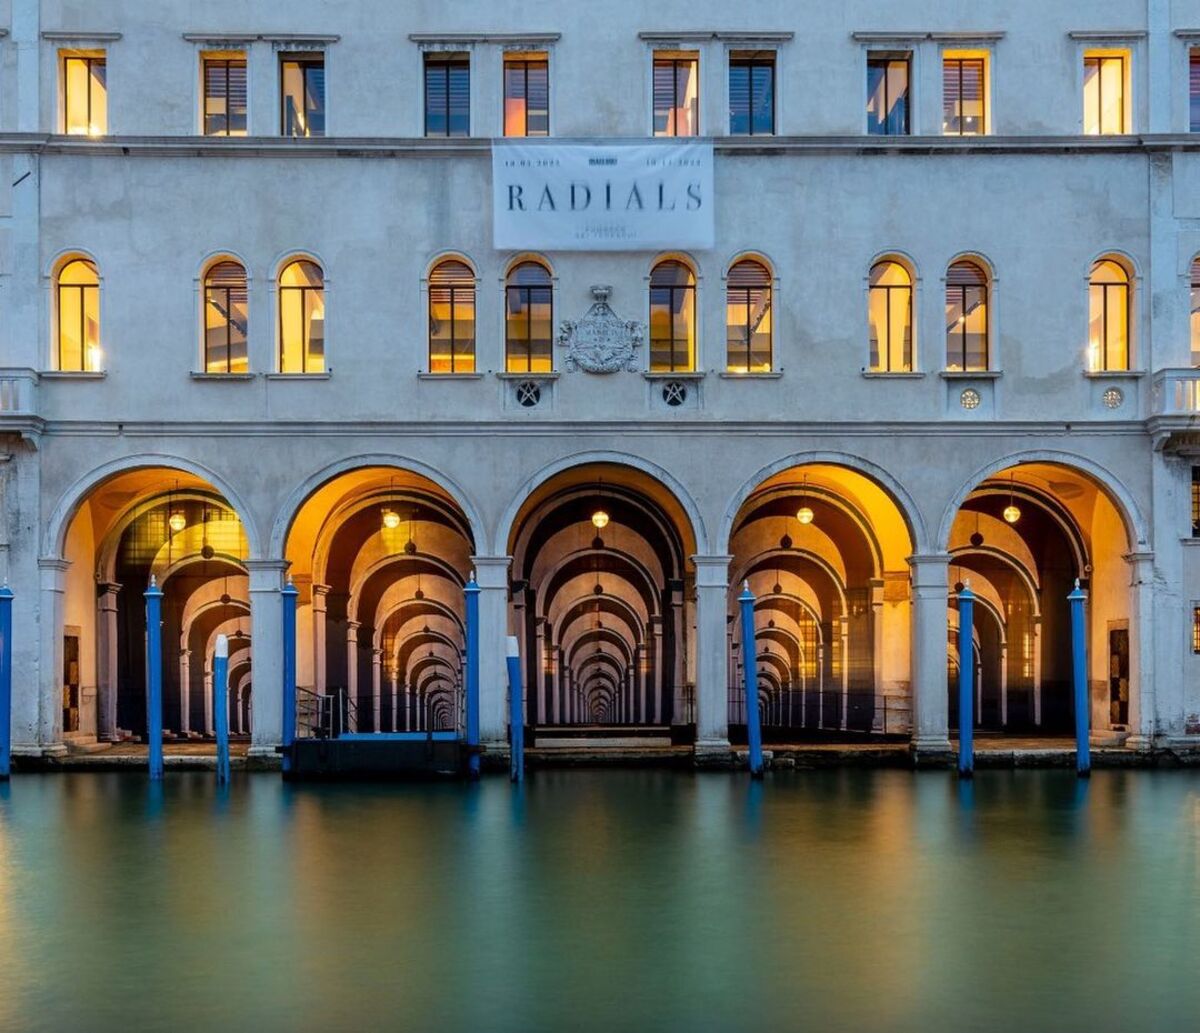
column 674, row 392
column 970, row 399
column 528, row 394
column 1114, row 398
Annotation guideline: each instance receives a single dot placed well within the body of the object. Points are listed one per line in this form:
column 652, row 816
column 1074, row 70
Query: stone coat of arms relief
column 601, row 342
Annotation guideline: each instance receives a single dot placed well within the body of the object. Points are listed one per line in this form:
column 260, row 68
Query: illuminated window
column 964, row 95
column 672, row 318
column 1194, row 90
column 1196, row 501
column 85, row 94
column 526, row 95
column 302, row 94
column 890, row 316
column 447, row 94
column 966, row 317
column 225, row 95
column 302, row 318
column 887, row 94
column 1196, row 629
column 748, row 318
column 225, row 318
column 1108, row 317
column 676, row 94
column 77, row 296
column 1194, row 314
column 1105, row 92
column 528, row 319
column 752, row 93
column 451, row 318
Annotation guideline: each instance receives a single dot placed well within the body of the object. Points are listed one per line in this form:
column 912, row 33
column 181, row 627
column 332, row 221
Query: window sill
column 871, row 374
column 1114, row 374
column 450, row 376
column 963, row 374
column 681, row 375
column 196, row 375
column 72, row 374
column 505, row 375
column 773, row 375
column 293, row 376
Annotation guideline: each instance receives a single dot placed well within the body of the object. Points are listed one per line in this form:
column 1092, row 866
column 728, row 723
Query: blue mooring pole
column 516, row 711
column 1083, row 756
column 288, row 736
column 750, row 672
column 966, row 682
column 220, row 690
column 6, row 607
column 472, row 595
column 154, row 671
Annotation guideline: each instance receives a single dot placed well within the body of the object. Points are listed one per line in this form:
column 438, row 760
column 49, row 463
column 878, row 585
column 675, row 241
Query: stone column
column 930, row 631
column 395, row 690
column 1143, row 715
column 266, row 624
column 352, row 675
column 712, row 685
column 376, row 688
column 52, row 574
column 185, row 691
column 319, row 592
column 209, row 728
column 491, row 574
column 106, row 662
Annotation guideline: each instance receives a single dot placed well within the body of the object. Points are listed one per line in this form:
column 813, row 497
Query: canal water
column 603, row 900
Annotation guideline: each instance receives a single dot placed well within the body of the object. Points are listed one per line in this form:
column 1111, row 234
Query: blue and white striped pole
column 6, row 617
column 1083, row 756
column 516, row 710
column 154, row 672
column 966, row 682
column 220, row 689
column 750, row 671
column 288, row 736
column 472, row 597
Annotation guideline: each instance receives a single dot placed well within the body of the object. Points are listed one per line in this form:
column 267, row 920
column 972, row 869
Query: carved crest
column 601, row 342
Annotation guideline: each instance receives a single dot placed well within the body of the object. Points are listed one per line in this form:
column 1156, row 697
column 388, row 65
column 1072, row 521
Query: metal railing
column 336, row 712
column 828, row 710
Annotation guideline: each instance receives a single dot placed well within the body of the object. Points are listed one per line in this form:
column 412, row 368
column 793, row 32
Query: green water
column 603, row 900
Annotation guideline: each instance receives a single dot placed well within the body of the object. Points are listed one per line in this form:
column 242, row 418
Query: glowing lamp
column 1011, row 514
column 804, row 515
column 600, row 520
column 177, row 521
column 391, row 519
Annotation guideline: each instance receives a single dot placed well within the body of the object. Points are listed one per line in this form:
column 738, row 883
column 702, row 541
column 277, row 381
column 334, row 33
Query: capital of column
column 108, row 588
column 712, row 571
column 929, row 570
column 53, row 570
column 1141, row 565
column 265, row 575
column 491, row 571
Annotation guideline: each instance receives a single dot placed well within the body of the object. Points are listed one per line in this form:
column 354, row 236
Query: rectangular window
column 447, row 95
column 964, row 95
column 887, row 94
column 1196, row 629
column 676, row 94
column 1196, row 501
column 85, row 94
column 1194, row 90
column 526, row 95
column 752, row 93
column 1105, row 92
column 224, row 94
column 302, row 94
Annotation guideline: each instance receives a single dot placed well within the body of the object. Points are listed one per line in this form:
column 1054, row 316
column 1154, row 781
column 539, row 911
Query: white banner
column 602, row 197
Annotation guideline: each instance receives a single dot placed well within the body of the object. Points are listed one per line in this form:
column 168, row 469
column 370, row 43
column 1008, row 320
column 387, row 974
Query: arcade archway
column 380, row 556
column 602, row 595
column 824, row 550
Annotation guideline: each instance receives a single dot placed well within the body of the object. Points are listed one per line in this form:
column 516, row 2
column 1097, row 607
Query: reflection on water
column 598, row 900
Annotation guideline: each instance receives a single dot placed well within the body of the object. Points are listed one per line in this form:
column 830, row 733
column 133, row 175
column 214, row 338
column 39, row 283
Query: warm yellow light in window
column 94, row 356
column 600, row 519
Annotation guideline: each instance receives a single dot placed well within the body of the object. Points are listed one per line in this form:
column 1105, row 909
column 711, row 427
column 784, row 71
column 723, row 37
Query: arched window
column 451, row 318
column 748, row 318
column 1108, row 316
column 302, row 318
column 672, row 318
column 225, row 318
column 890, row 316
column 1195, row 312
column 528, row 319
column 966, row 317
column 78, row 304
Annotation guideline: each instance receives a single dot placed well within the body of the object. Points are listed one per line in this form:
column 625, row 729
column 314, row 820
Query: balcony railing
column 1177, row 392
column 18, row 392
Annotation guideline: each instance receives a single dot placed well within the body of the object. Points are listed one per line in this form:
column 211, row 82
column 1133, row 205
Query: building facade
column 253, row 327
